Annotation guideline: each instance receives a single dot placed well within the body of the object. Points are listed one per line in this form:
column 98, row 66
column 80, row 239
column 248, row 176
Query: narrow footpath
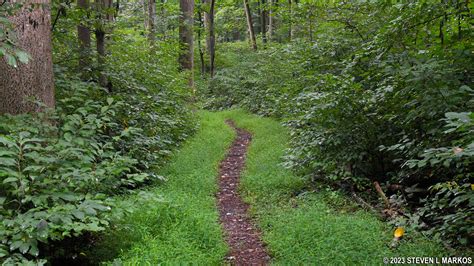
column 243, row 238
column 200, row 215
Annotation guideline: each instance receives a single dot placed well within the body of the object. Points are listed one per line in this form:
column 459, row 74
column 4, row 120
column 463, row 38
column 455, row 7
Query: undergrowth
column 302, row 226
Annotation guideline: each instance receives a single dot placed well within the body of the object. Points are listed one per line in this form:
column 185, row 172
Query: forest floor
column 299, row 224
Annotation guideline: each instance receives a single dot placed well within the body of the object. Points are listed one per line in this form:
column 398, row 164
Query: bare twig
column 382, row 194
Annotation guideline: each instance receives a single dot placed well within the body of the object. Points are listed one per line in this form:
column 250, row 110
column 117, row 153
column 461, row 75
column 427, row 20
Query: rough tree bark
column 32, row 25
column 248, row 15
column 152, row 21
column 186, row 57
column 84, row 36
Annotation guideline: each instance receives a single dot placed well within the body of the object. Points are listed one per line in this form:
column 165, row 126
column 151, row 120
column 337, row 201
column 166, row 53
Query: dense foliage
column 372, row 92
column 380, row 92
column 60, row 168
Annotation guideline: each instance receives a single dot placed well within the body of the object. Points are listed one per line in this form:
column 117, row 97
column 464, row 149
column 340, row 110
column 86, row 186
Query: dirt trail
column 243, row 238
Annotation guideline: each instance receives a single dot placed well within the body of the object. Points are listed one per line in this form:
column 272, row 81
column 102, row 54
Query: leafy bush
column 58, row 168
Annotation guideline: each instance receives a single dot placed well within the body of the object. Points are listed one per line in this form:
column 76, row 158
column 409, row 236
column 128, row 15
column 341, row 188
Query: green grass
column 181, row 225
column 304, row 228
column 178, row 222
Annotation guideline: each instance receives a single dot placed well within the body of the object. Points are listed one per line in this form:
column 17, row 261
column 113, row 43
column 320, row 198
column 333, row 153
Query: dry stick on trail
column 243, row 238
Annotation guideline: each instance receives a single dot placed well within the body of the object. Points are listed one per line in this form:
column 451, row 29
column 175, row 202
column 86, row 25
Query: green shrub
column 58, row 168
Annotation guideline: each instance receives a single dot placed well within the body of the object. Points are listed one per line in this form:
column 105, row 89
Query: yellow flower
column 399, row 232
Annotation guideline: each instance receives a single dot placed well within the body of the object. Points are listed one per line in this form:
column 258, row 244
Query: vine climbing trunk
column 23, row 84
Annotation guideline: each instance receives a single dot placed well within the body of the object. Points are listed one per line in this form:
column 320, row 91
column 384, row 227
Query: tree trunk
column 152, row 21
column 310, row 22
column 207, row 21
column 34, row 80
column 270, row 21
column 100, row 46
column 263, row 21
column 248, row 14
column 145, row 12
column 199, row 38
column 186, row 57
column 291, row 30
column 212, row 37
column 102, row 6
column 163, row 20
column 84, row 36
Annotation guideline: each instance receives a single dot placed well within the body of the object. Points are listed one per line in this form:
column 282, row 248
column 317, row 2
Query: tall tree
column 152, row 21
column 212, row 37
column 32, row 24
column 84, row 36
column 186, row 57
column 248, row 15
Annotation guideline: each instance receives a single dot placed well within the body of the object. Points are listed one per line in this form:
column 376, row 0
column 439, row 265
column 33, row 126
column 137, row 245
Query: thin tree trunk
column 310, row 19
column 100, row 46
column 84, row 36
column 212, row 37
column 145, row 12
column 248, row 14
column 270, row 21
column 152, row 21
column 201, row 51
column 102, row 6
column 163, row 21
column 117, row 9
column 186, row 58
column 207, row 19
column 263, row 21
column 441, row 26
column 32, row 25
column 290, row 24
